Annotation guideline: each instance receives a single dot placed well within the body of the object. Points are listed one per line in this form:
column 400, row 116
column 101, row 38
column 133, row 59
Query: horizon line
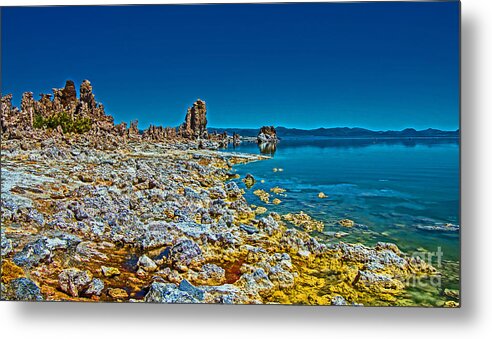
column 356, row 127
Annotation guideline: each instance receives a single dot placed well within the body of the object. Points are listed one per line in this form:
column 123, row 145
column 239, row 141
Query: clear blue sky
column 373, row 65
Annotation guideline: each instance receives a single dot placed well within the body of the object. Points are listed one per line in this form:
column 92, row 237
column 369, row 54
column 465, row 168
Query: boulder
column 74, row 281
column 256, row 282
column 117, row 293
column 168, row 293
column 109, row 272
column 147, row 264
column 232, row 190
column 346, row 223
column 249, row 180
column 6, row 244
column 338, row 301
column 24, row 289
column 185, row 254
column 211, row 274
column 187, row 287
column 33, row 253
column 95, row 287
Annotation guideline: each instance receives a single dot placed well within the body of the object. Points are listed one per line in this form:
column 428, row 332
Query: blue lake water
column 388, row 187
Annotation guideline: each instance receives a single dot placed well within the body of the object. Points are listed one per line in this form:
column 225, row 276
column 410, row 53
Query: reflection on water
column 271, row 148
column 267, row 148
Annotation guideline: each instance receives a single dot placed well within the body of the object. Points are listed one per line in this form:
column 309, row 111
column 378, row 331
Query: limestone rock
column 146, row 264
column 159, row 133
column 346, row 223
column 195, row 124
column 168, row 293
column 74, row 281
column 109, row 271
column 186, row 253
column 69, row 94
column 95, row 287
column 118, row 293
column 86, row 95
column 133, row 130
column 256, row 282
column 24, row 289
column 338, row 301
column 33, row 253
column 236, row 139
column 211, row 274
column 267, row 134
column 6, row 244
column 304, row 221
column 249, row 180
column 27, row 109
column 17, row 124
column 187, row 287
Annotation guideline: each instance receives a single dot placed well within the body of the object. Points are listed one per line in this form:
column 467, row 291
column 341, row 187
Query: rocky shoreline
column 162, row 223
column 111, row 215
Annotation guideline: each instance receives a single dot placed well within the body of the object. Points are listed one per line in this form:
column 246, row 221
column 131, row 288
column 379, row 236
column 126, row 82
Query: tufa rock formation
column 11, row 116
column 195, row 125
column 15, row 123
column 133, row 130
column 159, row 133
column 267, row 134
column 27, row 109
column 236, row 139
column 69, row 94
column 61, row 114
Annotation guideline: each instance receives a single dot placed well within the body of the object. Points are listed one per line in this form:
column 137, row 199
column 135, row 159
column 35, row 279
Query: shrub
column 65, row 121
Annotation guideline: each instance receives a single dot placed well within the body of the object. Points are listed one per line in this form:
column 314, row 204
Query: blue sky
column 373, row 65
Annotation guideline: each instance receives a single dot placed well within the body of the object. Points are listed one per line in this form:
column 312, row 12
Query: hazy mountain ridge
column 344, row 132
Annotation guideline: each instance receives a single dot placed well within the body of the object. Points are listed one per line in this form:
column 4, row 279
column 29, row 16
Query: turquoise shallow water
column 388, row 187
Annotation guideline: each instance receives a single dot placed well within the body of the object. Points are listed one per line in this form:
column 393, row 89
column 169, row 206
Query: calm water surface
column 388, row 187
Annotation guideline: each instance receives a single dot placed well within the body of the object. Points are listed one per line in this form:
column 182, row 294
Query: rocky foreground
column 93, row 211
column 161, row 222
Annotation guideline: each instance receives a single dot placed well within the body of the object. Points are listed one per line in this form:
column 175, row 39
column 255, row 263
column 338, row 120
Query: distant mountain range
column 344, row 132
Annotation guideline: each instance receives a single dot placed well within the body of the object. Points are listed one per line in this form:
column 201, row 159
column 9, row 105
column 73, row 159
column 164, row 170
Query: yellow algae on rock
column 451, row 303
column 244, row 216
column 321, row 195
column 10, row 271
column 346, row 223
column 277, row 190
column 264, row 196
column 304, row 221
column 249, row 180
column 260, row 210
column 109, row 272
column 117, row 293
column 276, row 201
